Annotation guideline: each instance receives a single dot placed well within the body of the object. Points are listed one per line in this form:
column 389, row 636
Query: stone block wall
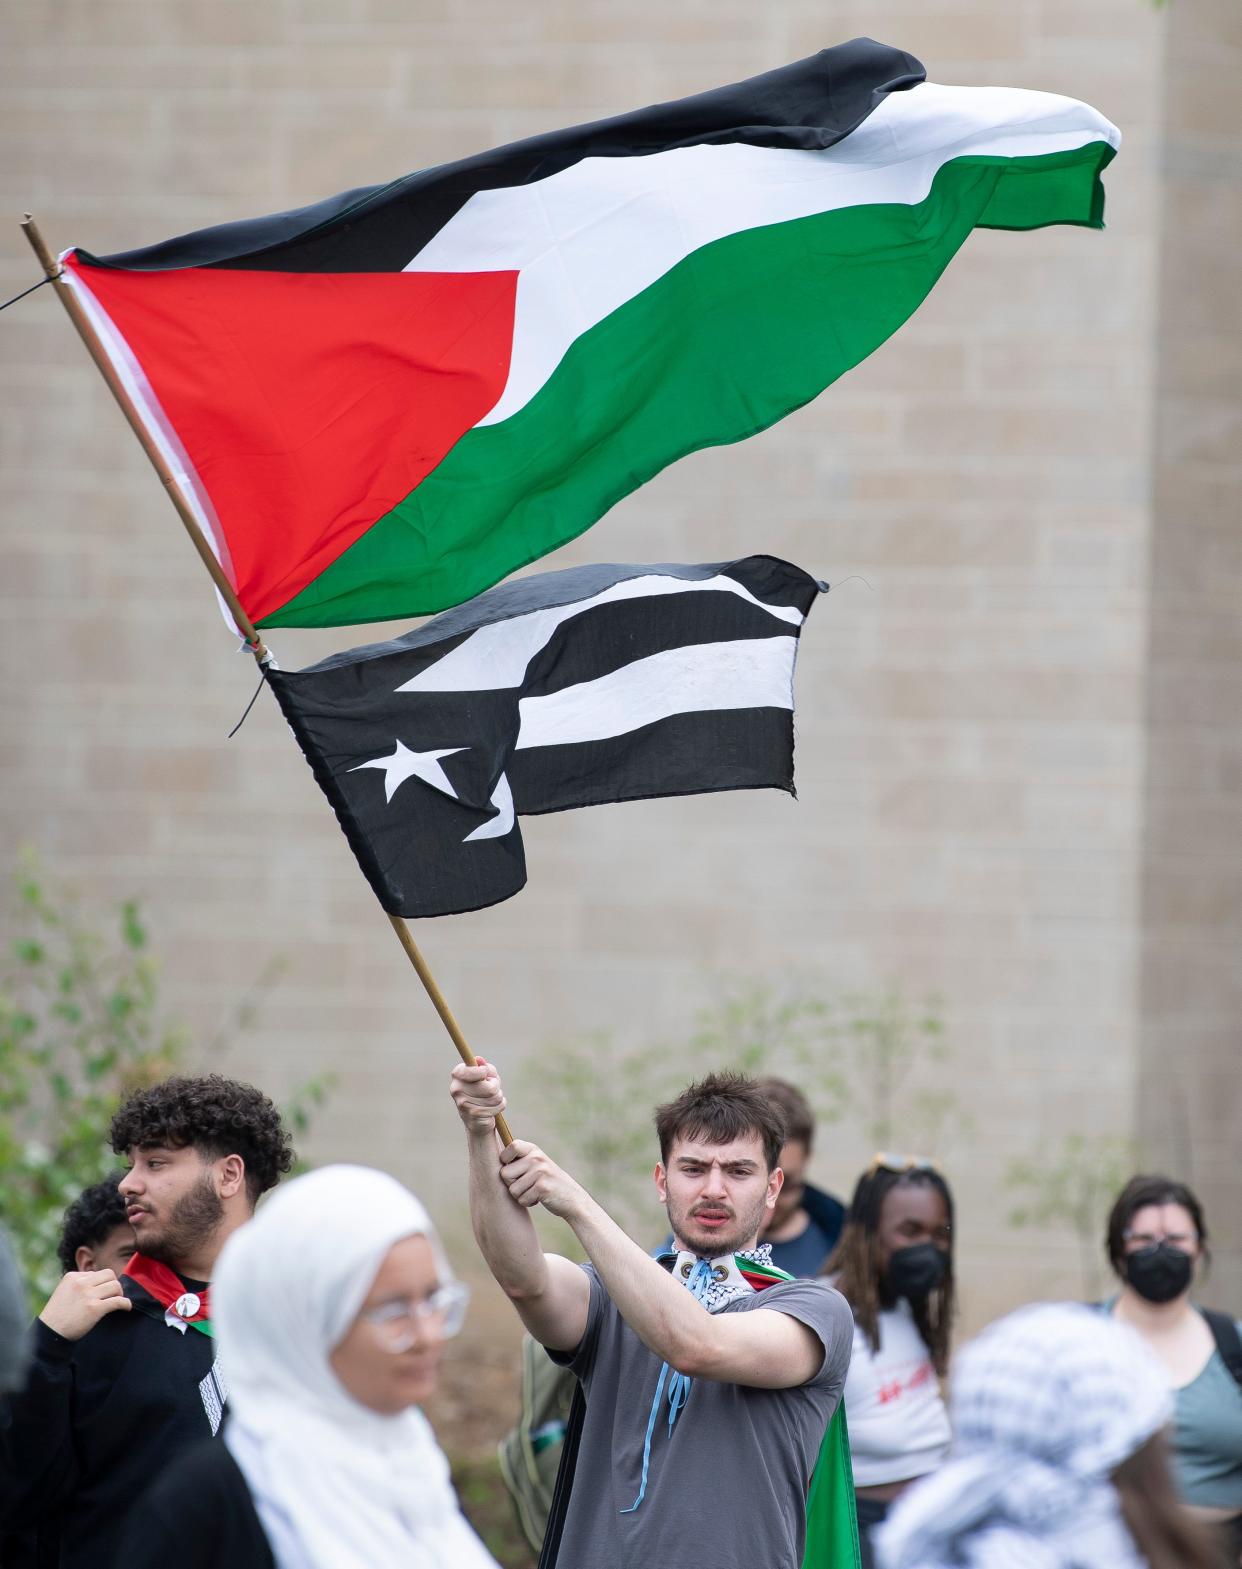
column 1190, row 1024
column 1019, row 498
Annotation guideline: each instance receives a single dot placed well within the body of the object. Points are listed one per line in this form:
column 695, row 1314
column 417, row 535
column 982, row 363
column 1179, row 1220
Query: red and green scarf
column 168, row 1289
column 732, row 1275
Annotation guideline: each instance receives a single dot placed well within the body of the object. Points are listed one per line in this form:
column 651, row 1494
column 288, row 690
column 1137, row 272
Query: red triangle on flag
column 309, row 404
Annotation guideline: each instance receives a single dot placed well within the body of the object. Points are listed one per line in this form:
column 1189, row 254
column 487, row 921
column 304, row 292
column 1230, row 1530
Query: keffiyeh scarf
column 1045, row 1405
column 725, row 1279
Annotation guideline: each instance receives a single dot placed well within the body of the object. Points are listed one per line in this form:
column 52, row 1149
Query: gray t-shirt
column 729, row 1485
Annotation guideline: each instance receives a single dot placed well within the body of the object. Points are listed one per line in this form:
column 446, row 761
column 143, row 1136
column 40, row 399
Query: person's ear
column 230, row 1176
column 661, row 1182
column 84, row 1257
column 776, row 1181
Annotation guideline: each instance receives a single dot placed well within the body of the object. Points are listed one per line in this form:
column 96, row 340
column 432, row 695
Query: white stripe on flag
column 495, row 656
column 134, row 380
column 750, row 673
column 593, row 236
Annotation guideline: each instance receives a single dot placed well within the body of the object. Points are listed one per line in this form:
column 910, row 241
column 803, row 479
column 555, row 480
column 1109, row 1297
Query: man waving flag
column 603, row 683
column 381, row 405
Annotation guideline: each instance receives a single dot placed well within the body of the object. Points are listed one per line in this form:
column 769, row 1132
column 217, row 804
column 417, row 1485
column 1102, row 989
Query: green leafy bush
column 80, row 1026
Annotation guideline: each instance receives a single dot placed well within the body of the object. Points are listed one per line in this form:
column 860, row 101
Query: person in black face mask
column 894, row 1266
column 1157, row 1242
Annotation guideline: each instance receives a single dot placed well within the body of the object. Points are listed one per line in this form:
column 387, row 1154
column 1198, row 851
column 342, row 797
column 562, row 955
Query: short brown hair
column 720, row 1108
column 795, row 1108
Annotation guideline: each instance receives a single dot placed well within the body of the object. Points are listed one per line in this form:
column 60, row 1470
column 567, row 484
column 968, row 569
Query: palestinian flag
column 383, row 404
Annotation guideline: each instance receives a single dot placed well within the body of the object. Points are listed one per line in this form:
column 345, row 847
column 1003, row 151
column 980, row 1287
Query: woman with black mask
column 894, row 1266
column 1156, row 1239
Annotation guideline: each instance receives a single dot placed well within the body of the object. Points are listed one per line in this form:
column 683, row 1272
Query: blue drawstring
column 655, row 1406
column 678, row 1385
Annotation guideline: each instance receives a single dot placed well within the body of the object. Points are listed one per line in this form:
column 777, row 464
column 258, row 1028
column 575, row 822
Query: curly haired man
column 96, row 1234
column 123, row 1371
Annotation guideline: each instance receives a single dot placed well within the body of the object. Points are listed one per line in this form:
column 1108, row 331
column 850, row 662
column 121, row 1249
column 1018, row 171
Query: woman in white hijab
column 1058, row 1460
column 330, row 1309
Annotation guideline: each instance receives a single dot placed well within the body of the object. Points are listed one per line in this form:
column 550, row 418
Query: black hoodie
column 99, row 1418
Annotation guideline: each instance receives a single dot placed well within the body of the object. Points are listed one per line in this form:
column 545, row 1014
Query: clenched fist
column 534, row 1178
column 81, row 1299
column 478, row 1096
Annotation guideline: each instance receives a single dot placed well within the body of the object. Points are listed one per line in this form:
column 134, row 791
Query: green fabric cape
column 831, row 1519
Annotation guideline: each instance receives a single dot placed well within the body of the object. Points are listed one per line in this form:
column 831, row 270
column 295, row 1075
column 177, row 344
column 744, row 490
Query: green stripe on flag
column 736, row 336
column 768, row 1271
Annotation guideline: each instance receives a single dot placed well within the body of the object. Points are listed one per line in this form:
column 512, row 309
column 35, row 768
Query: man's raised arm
column 769, row 1350
column 551, row 1294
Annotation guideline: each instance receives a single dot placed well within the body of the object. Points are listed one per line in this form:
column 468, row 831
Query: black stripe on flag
column 689, row 754
column 380, row 228
column 606, row 637
column 608, row 684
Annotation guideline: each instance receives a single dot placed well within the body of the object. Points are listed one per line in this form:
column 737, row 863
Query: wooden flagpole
column 406, row 939
column 95, row 349
column 254, row 642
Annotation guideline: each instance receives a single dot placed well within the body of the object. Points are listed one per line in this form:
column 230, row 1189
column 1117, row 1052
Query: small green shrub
column 80, row 1027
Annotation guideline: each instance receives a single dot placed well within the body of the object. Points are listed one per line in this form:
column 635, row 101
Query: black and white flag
column 600, row 683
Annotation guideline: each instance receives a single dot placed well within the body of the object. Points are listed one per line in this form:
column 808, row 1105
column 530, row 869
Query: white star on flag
column 559, row 690
column 404, row 764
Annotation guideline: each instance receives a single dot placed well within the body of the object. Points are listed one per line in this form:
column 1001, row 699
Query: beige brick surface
column 1019, row 754
column 1191, row 891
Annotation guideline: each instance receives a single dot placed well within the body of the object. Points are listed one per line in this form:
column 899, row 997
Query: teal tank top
column 1207, row 1444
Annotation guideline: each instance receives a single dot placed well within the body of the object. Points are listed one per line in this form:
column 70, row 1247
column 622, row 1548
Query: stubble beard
column 190, row 1223
column 715, row 1244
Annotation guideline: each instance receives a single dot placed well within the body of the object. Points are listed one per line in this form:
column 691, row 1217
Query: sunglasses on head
column 883, row 1161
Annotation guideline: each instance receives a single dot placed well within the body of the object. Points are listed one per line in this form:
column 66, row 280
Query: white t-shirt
column 899, row 1427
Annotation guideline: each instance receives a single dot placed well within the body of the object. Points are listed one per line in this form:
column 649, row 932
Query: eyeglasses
column 1138, row 1240
column 883, row 1161
column 400, row 1322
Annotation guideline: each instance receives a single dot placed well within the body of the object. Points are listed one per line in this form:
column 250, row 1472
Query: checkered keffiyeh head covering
column 1045, row 1405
